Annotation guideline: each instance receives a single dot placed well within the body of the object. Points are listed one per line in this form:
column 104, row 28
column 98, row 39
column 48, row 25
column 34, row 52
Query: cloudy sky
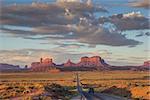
column 116, row 30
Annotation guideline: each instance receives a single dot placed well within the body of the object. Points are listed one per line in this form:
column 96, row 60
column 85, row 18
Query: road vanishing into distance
column 93, row 96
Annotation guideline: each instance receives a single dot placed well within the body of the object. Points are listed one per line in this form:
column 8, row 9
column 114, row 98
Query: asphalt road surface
column 98, row 96
column 92, row 96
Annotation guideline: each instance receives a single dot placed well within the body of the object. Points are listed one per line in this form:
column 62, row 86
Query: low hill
column 9, row 67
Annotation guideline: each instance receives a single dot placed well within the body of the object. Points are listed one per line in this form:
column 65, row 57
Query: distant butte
column 147, row 63
column 69, row 64
column 85, row 63
column 92, row 62
column 44, row 65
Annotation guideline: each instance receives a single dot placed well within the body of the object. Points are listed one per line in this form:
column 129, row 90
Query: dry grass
column 132, row 80
column 141, row 92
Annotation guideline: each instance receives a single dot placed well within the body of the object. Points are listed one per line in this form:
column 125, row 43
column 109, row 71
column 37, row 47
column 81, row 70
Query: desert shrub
column 31, row 87
column 57, row 91
column 8, row 88
column 118, row 91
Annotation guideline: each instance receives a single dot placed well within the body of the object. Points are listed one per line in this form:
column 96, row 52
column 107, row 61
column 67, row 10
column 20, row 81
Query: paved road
column 99, row 96
column 104, row 96
column 86, row 97
column 90, row 96
column 95, row 96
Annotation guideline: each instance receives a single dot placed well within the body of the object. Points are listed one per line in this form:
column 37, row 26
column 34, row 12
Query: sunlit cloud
column 140, row 3
column 128, row 21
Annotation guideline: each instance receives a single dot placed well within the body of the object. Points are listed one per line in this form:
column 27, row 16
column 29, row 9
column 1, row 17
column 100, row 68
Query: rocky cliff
column 146, row 63
column 94, row 61
column 44, row 65
column 69, row 63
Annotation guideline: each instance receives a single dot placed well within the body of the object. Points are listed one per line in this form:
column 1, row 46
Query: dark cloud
column 43, row 30
column 70, row 45
column 105, row 37
column 37, row 14
column 69, row 20
column 92, row 35
column 129, row 21
column 140, row 4
column 139, row 35
column 147, row 33
column 143, row 34
column 34, row 15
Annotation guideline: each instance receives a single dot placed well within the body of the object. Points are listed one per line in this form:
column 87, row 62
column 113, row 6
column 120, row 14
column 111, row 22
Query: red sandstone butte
column 147, row 64
column 47, row 64
column 69, row 64
column 94, row 61
column 43, row 65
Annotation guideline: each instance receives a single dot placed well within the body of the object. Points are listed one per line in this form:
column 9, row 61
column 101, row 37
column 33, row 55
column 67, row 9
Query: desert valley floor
column 129, row 84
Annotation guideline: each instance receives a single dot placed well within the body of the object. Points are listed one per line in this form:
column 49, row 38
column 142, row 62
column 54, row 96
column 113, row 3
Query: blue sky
column 27, row 34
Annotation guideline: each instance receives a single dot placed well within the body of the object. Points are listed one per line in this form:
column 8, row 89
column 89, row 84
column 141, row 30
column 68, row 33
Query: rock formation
column 147, row 64
column 69, row 64
column 85, row 62
column 94, row 61
column 44, row 65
